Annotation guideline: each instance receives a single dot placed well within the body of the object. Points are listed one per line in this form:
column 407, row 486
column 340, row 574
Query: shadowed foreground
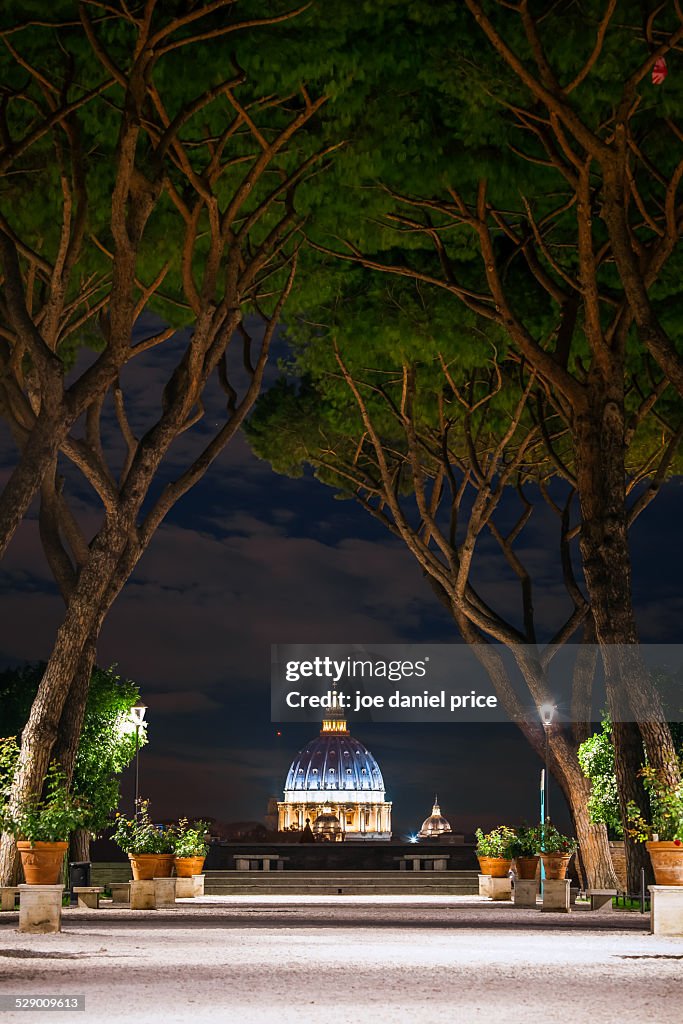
column 335, row 958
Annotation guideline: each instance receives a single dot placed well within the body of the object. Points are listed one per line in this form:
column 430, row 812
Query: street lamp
column 547, row 712
column 137, row 714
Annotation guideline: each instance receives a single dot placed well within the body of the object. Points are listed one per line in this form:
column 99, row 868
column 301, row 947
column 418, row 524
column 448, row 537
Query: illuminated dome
column 435, row 825
column 336, row 776
column 334, row 761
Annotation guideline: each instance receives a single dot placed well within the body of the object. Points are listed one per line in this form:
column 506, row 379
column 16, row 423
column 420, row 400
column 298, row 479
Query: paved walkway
column 344, row 960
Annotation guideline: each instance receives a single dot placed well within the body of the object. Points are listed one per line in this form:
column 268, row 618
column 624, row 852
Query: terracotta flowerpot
column 144, row 866
column 526, row 867
column 556, row 864
column 42, row 862
column 496, row 867
column 667, row 862
column 164, row 865
column 186, row 867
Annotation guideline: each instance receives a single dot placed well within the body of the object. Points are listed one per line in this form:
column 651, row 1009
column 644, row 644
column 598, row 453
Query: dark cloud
column 248, row 559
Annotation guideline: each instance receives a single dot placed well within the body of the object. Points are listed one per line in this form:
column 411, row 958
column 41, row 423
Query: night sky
column 250, row 558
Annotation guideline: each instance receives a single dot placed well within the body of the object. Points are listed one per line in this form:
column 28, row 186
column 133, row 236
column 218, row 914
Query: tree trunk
column 71, row 722
column 80, row 627
column 595, row 858
column 79, row 845
column 634, row 704
column 628, row 758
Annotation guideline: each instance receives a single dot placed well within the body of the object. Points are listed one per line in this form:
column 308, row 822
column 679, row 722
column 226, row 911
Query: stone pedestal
column 142, row 895
column 40, row 908
column 526, row 891
column 484, row 885
column 187, row 888
column 120, row 892
column 556, row 895
column 667, row 909
column 164, row 892
column 184, row 888
column 500, row 888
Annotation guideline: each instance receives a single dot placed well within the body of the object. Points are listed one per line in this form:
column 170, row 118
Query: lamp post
column 547, row 712
column 137, row 714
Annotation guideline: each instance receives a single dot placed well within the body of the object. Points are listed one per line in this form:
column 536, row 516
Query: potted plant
column 524, row 851
column 165, row 860
column 42, row 827
column 144, row 843
column 555, row 851
column 493, row 850
column 663, row 838
column 190, row 847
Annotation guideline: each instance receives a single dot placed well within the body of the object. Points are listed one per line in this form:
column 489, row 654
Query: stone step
column 342, row 890
column 356, row 875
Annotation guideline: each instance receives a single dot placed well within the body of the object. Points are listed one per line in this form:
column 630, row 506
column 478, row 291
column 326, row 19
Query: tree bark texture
column 599, row 441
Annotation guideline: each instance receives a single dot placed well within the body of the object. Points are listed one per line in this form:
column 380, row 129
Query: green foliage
column 497, row 843
column 552, row 841
column 526, row 842
column 9, row 755
column 50, row 819
column 107, row 742
column 596, row 758
column 667, row 810
column 190, row 839
column 140, row 834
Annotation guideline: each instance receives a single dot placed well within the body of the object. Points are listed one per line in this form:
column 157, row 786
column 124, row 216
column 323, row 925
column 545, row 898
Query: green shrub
column 496, row 843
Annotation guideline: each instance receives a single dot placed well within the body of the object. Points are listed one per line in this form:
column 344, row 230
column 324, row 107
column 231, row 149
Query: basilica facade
column 335, row 779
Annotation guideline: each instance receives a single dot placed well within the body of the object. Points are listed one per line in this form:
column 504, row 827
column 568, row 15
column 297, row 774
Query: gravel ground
column 339, row 960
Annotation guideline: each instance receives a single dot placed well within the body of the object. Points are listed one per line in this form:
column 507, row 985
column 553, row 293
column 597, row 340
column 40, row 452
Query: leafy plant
column 667, row 810
column 552, row 841
column 190, row 840
column 596, row 757
column 48, row 819
column 106, row 745
column 140, row 834
column 497, row 843
column 526, row 842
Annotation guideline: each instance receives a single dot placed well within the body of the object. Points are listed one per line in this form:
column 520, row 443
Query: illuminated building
column 335, row 775
column 435, row 825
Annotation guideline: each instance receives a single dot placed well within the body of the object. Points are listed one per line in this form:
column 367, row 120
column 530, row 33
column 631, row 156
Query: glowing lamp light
column 547, row 712
column 412, row 839
column 137, row 713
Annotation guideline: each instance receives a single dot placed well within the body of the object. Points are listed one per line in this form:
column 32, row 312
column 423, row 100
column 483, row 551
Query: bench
column 8, row 895
column 423, row 862
column 259, row 861
column 88, row 896
column 601, row 899
column 120, row 892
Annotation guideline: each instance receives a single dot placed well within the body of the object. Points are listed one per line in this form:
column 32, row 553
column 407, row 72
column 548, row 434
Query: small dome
column 327, row 825
column 435, row 825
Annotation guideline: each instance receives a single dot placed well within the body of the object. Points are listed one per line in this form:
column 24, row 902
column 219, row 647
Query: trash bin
column 79, row 874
